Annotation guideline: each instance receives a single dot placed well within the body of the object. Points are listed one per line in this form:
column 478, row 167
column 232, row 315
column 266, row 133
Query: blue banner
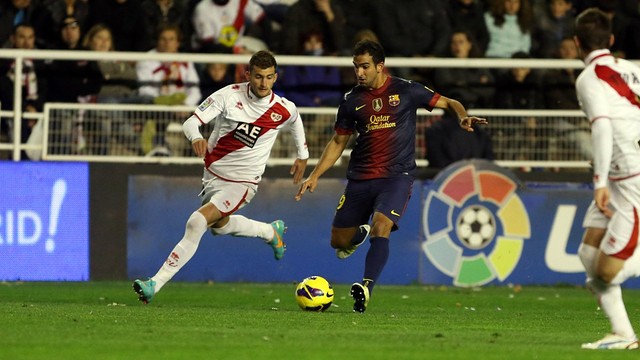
column 474, row 224
column 160, row 206
column 44, row 221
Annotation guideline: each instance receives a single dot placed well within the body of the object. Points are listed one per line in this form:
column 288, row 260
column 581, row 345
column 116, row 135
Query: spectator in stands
column 411, row 28
column 311, row 86
column 560, row 84
column 519, row 88
column 120, row 81
column 73, row 80
column 473, row 86
column 509, row 23
column 551, row 27
column 161, row 13
column 218, row 24
column 626, row 30
column 127, row 21
column 76, row 81
column 270, row 27
column 469, row 15
column 169, row 83
column 166, row 83
column 33, row 85
column 49, row 16
column 559, row 93
column 215, row 76
column 12, row 14
column 119, row 86
column 447, row 143
column 356, row 20
column 313, row 16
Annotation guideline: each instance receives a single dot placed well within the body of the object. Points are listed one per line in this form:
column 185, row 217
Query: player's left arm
column 466, row 122
column 299, row 138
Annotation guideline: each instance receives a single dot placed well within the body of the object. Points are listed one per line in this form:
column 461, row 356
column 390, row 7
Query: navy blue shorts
column 361, row 198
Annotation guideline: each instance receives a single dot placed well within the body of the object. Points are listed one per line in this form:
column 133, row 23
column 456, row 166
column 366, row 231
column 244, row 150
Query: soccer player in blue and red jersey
column 382, row 109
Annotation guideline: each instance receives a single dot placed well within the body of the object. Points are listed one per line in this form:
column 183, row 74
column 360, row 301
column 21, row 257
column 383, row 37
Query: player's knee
column 340, row 238
column 381, row 229
column 196, row 222
column 587, row 255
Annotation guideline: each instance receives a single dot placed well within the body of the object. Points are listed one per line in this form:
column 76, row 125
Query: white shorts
column 621, row 239
column 594, row 218
column 226, row 196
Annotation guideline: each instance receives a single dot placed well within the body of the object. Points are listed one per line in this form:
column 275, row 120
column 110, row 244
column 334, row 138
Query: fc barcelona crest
column 276, row 117
column 394, row 100
column 377, row 104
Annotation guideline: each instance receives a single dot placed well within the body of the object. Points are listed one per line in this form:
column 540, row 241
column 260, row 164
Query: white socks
column 613, row 306
column 184, row 250
column 609, row 295
column 239, row 225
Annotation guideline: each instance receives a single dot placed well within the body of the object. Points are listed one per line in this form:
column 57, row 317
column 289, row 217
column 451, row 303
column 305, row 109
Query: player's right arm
column 330, row 155
column 596, row 106
column 208, row 110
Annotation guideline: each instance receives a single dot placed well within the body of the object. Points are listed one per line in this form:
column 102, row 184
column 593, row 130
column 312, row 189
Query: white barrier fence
column 126, row 133
column 153, row 134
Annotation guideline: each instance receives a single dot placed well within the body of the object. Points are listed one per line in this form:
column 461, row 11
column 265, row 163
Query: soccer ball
column 476, row 227
column 314, row 294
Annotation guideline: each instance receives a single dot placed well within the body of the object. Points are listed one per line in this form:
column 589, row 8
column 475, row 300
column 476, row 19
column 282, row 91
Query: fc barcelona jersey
column 385, row 119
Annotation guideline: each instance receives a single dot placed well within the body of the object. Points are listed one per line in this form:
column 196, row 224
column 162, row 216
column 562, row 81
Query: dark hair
column 593, row 29
column 263, row 59
column 370, row 47
column 22, row 24
column 525, row 14
column 170, row 27
column 475, row 51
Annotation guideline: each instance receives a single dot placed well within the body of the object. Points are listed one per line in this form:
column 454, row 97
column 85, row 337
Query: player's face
column 261, row 80
column 367, row 73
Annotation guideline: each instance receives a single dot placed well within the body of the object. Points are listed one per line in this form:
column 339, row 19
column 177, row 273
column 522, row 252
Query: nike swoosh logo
column 360, row 107
column 393, row 212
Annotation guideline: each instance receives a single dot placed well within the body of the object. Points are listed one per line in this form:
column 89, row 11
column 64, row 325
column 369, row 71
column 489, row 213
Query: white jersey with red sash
column 608, row 90
column 245, row 130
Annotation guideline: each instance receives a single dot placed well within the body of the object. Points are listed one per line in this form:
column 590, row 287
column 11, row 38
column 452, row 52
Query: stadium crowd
column 408, row 28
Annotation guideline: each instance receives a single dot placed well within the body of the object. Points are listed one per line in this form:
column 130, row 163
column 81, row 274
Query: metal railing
column 519, row 136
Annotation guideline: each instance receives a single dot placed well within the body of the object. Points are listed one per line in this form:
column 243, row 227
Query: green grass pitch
column 104, row 320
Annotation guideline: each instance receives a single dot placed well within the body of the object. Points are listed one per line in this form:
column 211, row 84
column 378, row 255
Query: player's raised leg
column 271, row 233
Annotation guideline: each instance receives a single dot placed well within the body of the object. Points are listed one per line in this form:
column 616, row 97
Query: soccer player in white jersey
column 248, row 117
column 608, row 91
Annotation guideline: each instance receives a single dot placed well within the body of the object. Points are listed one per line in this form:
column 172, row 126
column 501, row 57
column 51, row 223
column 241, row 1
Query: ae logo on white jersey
column 248, row 134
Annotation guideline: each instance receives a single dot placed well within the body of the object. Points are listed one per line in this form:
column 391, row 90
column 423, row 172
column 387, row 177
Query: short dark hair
column 370, row 47
column 22, row 25
column 170, row 27
column 593, row 29
column 263, row 59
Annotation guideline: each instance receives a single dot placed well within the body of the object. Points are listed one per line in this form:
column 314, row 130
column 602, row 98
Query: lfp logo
column 474, row 222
